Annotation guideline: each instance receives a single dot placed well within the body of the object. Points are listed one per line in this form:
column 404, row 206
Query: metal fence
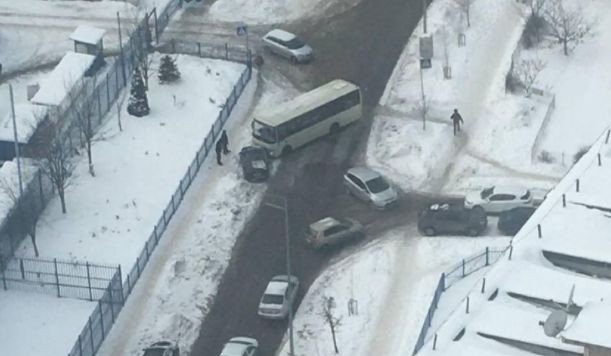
column 551, row 106
column 81, row 280
column 456, row 273
column 225, row 51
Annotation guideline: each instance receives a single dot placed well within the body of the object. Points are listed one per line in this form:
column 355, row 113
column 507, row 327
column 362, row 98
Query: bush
column 545, row 157
column 582, row 151
column 535, row 25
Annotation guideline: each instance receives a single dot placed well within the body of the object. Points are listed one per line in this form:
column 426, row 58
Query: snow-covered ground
column 34, row 324
column 137, row 171
column 392, row 281
column 274, row 11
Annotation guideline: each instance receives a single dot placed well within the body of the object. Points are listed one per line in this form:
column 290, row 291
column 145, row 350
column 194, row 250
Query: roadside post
column 242, row 30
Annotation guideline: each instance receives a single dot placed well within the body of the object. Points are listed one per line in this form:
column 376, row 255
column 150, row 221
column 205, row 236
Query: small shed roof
column 27, row 118
column 87, row 34
column 54, row 88
column 591, row 326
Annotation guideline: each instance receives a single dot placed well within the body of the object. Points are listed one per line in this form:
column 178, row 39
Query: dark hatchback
column 255, row 164
column 452, row 218
column 511, row 221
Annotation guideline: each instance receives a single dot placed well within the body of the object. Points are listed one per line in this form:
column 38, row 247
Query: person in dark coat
column 219, row 149
column 225, row 142
column 456, row 120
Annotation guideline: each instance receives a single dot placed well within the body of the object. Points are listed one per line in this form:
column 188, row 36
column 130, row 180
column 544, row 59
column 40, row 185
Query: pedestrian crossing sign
column 242, row 30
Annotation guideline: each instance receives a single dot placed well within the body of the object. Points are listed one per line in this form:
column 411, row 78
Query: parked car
column 452, row 218
column 278, row 297
column 255, row 164
column 331, row 231
column 287, row 45
column 511, row 221
column 496, row 199
column 162, row 348
column 368, row 185
column 240, row 346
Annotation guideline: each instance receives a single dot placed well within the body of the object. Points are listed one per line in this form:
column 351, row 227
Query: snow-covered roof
column 522, row 291
column 281, row 35
column 27, row 118
column 54, row 88
column 591, row 326
column 87, row 34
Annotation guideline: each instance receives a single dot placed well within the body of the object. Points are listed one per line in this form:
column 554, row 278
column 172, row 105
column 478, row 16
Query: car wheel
column 334, row 129
column 287, row 150
column 294, row 60
column 429, row 231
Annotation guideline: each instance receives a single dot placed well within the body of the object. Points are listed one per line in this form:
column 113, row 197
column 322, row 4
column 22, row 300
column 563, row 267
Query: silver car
column 368, row 185
column 331, row 231
column 287, row 45
column 278, row 297
column 240, row 346
column 499, row 198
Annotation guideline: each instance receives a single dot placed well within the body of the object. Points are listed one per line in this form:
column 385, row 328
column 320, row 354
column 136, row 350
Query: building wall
column 592, row 350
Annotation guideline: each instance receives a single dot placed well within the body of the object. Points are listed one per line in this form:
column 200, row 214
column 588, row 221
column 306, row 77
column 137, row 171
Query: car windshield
column 487, row 192
column 273, row 299
column 263, row 132
column 377, row 185
column 295, row 43
column 154, row 352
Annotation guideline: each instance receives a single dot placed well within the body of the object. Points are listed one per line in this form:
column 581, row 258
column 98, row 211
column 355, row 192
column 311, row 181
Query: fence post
column 435, row 342
column 199, row 49
column 539, row 231
column 607, row 138
column 91, row 335
column 89, row 281
column 3, row 277
column 21, row 269
column 101, row 319
column 510, row 251
column 56, row 277
column 138, row 261
column 80, row 345
column 484, row 285
column 463, row 267
column 487, row 255
column 599, row 161
column 443, row 281
column 577, row 185
column 108, row 91
column 467, row 305
column 563, row 201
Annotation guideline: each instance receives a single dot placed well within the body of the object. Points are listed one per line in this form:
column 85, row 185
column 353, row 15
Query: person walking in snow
column 219, row 149
column 225, row 142
column 456, row 120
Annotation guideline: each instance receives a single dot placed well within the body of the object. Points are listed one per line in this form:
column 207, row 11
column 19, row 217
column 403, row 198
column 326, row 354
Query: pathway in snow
column 511, row 172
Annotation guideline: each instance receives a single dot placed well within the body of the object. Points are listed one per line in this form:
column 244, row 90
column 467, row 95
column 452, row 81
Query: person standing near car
column 219, row 149
column 456, row 120
column 225, row 142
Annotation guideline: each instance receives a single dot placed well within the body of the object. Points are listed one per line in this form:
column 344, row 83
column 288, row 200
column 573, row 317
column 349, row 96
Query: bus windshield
column 263, row 132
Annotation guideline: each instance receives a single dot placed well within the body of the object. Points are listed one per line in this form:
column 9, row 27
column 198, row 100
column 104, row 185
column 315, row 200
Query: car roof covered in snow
column 324, row 224
column 87, row 34
column 281, row 35
column 276, row 287
column 510, row 189
column 364, row 173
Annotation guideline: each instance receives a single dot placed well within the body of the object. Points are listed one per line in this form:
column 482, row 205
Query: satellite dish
column 555, row 323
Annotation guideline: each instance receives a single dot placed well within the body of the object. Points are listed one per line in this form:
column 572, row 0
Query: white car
column 287, row 45
column 368, row 185
column 497, row 199
column 278, row 297
column 240, row 346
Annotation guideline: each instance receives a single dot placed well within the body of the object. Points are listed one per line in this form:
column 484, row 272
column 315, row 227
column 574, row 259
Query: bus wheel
column 334, row 130
column 286, row 150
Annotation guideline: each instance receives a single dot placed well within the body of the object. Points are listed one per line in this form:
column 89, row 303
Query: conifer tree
column 138, row 102
column 168, row 71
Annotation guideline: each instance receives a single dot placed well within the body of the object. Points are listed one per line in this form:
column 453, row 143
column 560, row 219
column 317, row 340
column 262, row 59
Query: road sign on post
column 242, row 30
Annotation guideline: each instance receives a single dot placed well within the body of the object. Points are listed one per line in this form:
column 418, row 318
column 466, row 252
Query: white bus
column 307, row 117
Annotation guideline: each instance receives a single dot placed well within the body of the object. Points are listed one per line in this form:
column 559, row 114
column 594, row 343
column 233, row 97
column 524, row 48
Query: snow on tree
column 527, row 72
column 465, row 7
column 138, row 103
column 168, row 71
column 567, row 24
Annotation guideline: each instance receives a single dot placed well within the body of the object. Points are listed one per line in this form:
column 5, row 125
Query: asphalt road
column 361, row 45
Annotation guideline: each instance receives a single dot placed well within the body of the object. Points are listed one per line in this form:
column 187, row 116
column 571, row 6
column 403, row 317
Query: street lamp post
column 284, row 208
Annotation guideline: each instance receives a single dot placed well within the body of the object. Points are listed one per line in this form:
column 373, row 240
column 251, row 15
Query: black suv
column 452, row 218
column 511, row 221
column 255, row 163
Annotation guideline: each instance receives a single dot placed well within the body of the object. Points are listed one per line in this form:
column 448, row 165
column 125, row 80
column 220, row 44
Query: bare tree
column 527, row 71
column 144, row 36
column 535, row 22
column 119, row 104
column 26, row 210
column 55, row 162
column 567, row 25
column 327, row 312
column 86, row 105
column 465, row 6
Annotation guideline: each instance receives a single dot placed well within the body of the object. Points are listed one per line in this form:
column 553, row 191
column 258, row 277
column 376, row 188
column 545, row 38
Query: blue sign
column 242, row 30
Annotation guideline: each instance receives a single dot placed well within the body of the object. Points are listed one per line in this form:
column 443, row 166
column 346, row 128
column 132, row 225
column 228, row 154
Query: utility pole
column 10, row 88
column 121, row 49
column 285, row 208
column 423, row 100
column 424, row 15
